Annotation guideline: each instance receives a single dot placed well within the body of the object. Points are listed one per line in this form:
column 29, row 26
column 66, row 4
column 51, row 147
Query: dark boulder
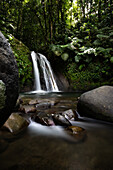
column 9, row 76
column 97, row 103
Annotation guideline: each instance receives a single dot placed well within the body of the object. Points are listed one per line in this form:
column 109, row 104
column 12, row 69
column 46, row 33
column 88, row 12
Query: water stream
column 51, row 148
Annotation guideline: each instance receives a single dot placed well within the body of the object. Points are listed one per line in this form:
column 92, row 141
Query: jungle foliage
column 79, row 32
column 22, row 54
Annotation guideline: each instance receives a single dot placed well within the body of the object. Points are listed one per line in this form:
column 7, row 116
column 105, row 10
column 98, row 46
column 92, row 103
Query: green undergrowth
column 22, row 54
column 94, row 75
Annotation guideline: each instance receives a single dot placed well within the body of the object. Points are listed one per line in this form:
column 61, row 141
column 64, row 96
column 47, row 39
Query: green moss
column 2, row 94
column 22, row 54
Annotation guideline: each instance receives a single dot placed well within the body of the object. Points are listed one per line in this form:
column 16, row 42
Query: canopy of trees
column 78, row 31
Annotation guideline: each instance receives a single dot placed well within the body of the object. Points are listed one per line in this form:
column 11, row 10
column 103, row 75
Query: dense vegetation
column 78, row 32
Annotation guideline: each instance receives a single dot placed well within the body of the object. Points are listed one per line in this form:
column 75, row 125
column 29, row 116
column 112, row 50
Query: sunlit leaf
column 65, row 56
column 111, row 59
column 77, row 58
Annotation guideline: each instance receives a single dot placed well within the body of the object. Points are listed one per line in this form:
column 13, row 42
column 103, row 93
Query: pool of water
column 40, row 147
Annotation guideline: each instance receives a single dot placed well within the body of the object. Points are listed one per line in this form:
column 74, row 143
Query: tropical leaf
column 111, row 34
column 111, row 59
column 77, row 58
column 65, row 56
column 97, row 42
column 101, row 36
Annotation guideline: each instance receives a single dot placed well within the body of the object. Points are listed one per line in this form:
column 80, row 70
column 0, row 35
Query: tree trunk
column 44, row 13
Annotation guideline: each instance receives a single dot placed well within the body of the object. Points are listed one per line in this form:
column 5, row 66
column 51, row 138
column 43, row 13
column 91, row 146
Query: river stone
column 61, row 120
column 43, row 106
column 15, row 123
column 27, row 109
column 97, row 103
column 33, row 102
column 70, row 114
column 9, row 76
column 77, row 132
column 48, row 121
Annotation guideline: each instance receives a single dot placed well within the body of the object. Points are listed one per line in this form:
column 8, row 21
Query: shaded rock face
column 9, row 76
column 2, row 94
column 62, row 82
column 97, row 103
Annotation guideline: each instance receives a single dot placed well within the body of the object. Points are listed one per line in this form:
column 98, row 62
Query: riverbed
column 41, row 147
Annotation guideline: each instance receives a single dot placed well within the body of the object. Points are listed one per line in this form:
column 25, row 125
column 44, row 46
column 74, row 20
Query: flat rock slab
column 97, row 103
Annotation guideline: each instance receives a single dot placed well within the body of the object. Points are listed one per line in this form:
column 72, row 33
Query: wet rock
column 49, row 121
column 70, row 114
column 43, row 106
column 61, row 120
column 44, row 121
column 9, row 76
column 27, row 109
column 33, row 102
column 62, row 106
column 76, row 129
column 50, row 111
column 15, row 123
column 39, row 120
column 97, row 103
column 38, row 101
column 77, row 132
column 24, row 101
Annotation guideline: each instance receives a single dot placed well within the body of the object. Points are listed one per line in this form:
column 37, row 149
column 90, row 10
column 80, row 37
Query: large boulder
column 97, row 103
column 9, row 80
column 2, row 94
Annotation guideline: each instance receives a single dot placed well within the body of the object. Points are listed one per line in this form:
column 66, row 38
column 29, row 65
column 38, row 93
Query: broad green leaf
column 65, row 56
column 81, row 66
column 101, row 36
column 57, row 53
column 111, row 59
column 77, row 58
column 111, row 34
column 97, row 42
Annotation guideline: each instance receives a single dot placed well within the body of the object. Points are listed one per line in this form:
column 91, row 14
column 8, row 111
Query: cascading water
column 49, row 79
column 36, row 71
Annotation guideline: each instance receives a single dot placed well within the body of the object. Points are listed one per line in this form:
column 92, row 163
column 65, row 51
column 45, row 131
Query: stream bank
column 51, row 147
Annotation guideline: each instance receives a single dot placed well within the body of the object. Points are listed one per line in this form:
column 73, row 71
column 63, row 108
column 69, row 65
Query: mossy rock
column 22, row 54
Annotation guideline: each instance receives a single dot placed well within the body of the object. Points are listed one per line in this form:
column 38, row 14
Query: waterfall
column 45, row 66
column 36, row 71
